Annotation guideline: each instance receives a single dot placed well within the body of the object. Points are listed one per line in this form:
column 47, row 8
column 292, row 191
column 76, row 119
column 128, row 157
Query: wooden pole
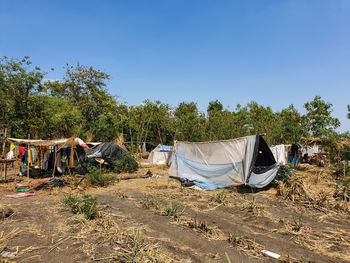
column 54, row 164
column 71, row 157
column 4, row 143
column 5, row 171
column 3, row 153
column 28, row 166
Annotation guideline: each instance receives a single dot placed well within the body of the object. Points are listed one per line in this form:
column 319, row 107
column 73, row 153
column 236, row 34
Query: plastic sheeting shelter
column 160, row 155
column 243, row 161
column 108, row 151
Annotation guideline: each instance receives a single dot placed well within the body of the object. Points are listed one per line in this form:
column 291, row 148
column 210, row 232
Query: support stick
column 28, row 166
column 4, row 143
column 71, row 157
column 54, row 164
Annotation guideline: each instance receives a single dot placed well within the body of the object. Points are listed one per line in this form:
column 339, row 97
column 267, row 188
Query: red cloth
column 21, row 151
column 40, row 182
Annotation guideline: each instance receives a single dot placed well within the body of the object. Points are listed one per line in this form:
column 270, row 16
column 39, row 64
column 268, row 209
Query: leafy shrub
column 99, row 178
column 284, row 173
column 82, row 204
column 127, row 164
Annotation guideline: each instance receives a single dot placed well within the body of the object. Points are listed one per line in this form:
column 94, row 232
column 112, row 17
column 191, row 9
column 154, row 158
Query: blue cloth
column 25, row 161
column 295, row 160
column 166, row 148
column 208, row 175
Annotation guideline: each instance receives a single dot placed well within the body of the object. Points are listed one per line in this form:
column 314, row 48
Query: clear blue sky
column 276, row 52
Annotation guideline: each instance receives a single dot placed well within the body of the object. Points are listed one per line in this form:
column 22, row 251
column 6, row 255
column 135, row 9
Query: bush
column 284, row 173
column 127, row 164
column 97, row 177
column 82, row 204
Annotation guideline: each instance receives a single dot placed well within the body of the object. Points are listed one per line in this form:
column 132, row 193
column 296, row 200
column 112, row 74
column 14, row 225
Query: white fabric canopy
column 76, row 141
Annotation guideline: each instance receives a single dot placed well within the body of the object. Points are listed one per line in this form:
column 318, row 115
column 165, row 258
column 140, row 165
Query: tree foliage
column 320, row 122
column 80, row 105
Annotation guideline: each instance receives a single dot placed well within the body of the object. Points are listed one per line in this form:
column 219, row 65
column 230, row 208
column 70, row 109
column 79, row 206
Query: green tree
column 19, row 80
column 189, row 122
column 292, row 125
column 53, row 117
column 262, row 120
column 150, row 122
column 348, row 112
column 214, row 106
column 319, row 120
column 85, row 88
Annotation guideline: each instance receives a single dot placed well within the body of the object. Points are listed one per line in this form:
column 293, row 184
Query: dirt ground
column 307, row 226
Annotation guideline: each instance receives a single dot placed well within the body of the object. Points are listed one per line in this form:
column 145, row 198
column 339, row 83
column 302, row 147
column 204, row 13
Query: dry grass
column 210, row 232
column 246, row 244
column 104, row 240
column 128, row 245
column 295, row 190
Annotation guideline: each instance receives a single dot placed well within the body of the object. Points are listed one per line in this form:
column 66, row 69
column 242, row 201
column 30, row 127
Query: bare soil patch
column 155, row 219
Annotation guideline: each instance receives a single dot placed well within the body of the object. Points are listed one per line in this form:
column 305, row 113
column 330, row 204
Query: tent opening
column 264, row 157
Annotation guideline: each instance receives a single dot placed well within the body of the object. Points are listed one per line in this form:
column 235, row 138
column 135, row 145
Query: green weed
column 227, row 258
column 219, row 197
column 252, row 206
column 82, row 204
column 98, row 178
column 172, row 210
column 298, row 222
column 150, row 202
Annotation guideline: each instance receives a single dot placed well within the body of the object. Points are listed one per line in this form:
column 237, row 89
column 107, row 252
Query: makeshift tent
column 243, row 161
column 280, row 153
column 74, row 141
column 160, row 155
column 108, row 151
column 108, row 154
column 54, row 149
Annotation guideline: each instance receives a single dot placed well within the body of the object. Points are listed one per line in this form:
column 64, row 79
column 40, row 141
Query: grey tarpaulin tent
column 243, row 161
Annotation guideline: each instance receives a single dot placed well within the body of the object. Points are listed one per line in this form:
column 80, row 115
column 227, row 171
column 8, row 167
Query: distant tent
column 243, row 161
column 280, row 153
column 310, row 150
column 160, row 155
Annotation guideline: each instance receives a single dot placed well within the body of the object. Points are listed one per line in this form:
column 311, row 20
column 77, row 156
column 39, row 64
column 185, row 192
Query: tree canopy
column 79, row 104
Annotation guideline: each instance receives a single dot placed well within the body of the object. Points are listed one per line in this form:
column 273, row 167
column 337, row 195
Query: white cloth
column 10, row 155
column 310, row 150
column 279, row 152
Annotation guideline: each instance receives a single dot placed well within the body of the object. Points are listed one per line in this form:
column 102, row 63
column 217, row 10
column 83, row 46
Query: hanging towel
column 12, row 147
